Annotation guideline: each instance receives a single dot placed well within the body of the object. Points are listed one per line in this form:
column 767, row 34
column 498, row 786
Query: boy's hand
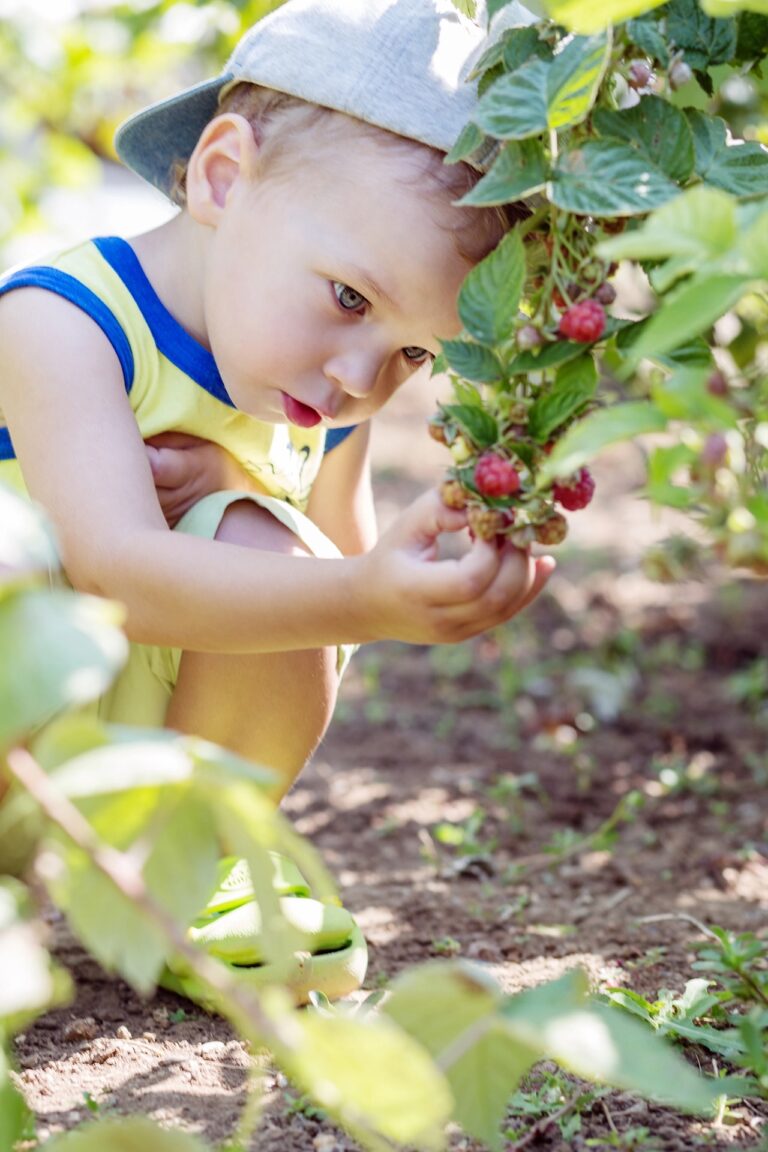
column 416, row 597
column 186, row 468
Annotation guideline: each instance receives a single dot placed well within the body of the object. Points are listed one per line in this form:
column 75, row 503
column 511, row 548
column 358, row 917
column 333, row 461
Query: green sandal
column 334, row 958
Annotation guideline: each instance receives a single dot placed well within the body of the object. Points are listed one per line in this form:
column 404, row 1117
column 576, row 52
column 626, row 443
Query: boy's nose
column 355, row 373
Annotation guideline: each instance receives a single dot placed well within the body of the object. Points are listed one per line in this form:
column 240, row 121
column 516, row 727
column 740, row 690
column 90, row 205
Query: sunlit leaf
column 452, row 1009
column 608, row 178
column 347, row 1065
column 657, row 129
column 585, row 439
column 60, row 649
column 586, row 17
column 128, row 1134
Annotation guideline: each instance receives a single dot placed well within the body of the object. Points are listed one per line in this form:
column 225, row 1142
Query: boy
column 313, row 268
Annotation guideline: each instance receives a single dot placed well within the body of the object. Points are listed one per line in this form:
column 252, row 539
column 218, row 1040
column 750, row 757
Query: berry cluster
column 495, row 477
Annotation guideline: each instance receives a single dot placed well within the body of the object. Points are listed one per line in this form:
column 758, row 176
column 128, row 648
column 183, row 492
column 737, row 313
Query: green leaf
column 451, row 1009
column 547, row 357
column 541, row 94
column 574, row 387
column 475, row 423
column 702, row 40
column 647, row 32
column 595, row 1042
column 490, row 295
column 180, row 871
column 739, row 167
column 470, row 139
column 657, row 129
column 108, row 924
column 586, row 438
column 608, row 178
column 698, row 225
column 587, row 17
column 15, row 1116
column 752, row 43
column 60, row 649
column 472, row 361
column 466, row 7
column 511, row 49
column 753, row 242
column 26, row 542
column 516, row 106
column 518, row 171
column 125, row 1135
column 27, row 984
column 519, row 44
column 574, row 78
column 684, row 396
column 372, row 1076
column 691, row 311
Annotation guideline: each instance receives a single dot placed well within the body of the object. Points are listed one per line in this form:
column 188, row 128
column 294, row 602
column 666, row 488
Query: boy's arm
column 341, row 501
column 63, row 397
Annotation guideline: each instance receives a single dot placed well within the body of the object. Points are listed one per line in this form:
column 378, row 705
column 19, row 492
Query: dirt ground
column 448, row 777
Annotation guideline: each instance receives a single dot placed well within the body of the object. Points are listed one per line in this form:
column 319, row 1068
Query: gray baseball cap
column 399, row 64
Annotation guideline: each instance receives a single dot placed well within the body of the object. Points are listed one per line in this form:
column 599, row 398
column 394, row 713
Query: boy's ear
column 225, row 152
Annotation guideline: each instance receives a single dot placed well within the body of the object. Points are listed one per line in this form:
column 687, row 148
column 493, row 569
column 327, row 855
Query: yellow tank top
column 171, row 379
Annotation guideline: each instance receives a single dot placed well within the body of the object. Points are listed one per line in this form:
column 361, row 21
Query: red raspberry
column 715, row 451
column 453, row 494
column 553, row 531
column 576, row 492
column 583, row 322
column 496, row 476
column 717, row 385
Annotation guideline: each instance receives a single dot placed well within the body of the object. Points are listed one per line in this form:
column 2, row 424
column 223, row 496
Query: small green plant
column 727, row 1015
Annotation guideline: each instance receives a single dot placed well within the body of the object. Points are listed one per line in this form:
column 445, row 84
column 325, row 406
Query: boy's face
column 328, row 284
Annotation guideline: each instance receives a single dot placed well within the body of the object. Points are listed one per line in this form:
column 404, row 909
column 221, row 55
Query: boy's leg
column 272, row 708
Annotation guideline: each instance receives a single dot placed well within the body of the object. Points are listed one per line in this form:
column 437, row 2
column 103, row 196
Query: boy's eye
column 417, row 355
column 348, row 298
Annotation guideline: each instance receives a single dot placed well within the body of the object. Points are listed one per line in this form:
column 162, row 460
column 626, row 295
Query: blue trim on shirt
column 62, row 284
column 6, row 445
column 54, row 280
column 173, row 341
column 336, row 436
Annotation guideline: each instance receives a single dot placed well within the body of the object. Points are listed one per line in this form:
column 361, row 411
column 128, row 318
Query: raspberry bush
column 637, row 145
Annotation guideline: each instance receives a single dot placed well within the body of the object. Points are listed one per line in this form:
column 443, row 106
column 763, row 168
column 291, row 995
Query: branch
column 236, row 1002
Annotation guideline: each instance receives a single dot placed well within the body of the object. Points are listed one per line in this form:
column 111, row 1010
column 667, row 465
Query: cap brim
column 153, row 140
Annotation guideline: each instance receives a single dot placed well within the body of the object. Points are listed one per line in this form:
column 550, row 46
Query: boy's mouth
column 298, row 413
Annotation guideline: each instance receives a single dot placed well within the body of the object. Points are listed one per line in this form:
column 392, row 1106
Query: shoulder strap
column 63, row 284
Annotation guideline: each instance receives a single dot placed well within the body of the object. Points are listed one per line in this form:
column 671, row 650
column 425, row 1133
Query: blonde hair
column 280, row 121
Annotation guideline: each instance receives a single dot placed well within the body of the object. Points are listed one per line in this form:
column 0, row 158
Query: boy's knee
column 250, row 526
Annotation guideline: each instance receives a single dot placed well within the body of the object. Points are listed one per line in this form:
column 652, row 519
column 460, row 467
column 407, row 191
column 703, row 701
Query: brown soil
column 609, row 684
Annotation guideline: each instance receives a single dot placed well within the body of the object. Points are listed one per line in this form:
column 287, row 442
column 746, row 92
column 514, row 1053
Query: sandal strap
column 238, row 936
column 234, row 887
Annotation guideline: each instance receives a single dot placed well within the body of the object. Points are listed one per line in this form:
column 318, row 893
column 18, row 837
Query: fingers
column 419, row 526
column 170, row 467
column 482, row 590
